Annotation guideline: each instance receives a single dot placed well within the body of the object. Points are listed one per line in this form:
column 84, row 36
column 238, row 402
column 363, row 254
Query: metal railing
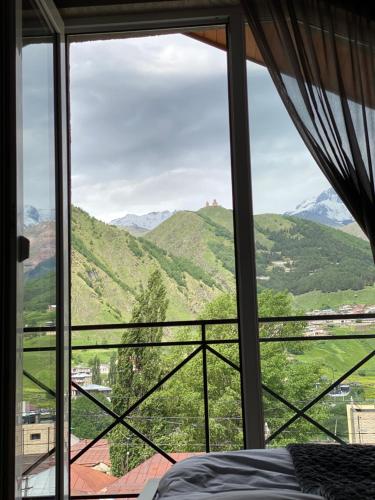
column 202, row 345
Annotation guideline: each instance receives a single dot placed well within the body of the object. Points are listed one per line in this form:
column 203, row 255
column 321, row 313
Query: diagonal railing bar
column 321, row 396
column 306, row 417
column 125, row 424
column 223, row 358
column 162, row 381
column 38, row 462
column 39, row 384
column 132, row 407
column 281, row 399
column 147, row 441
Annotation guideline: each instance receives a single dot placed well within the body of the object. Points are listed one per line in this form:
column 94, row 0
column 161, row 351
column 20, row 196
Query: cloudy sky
column 150, row 130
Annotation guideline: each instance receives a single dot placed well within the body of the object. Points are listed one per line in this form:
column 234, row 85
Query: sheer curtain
column 320, row 55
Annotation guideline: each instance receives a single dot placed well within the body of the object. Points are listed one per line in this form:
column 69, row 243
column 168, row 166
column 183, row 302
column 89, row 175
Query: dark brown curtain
column 320, row 55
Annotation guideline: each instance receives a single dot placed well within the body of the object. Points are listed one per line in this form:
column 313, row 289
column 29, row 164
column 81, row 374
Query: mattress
column 240, row 475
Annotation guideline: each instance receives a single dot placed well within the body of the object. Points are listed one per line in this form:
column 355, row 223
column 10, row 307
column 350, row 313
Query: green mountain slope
column 195, row 252
column 109, row 264
column 197, row 237
column 301, row 256
column 292, row 254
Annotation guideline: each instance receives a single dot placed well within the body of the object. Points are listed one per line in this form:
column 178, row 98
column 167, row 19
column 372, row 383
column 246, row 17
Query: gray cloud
column 150, row 130
column 284, row 172
column 38, row 125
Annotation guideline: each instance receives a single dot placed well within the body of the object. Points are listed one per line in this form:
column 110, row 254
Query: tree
column 96, row 377
column 174, row 415
column 282, row 371
column 112, row 373
column 138, row 369
column 87, row 419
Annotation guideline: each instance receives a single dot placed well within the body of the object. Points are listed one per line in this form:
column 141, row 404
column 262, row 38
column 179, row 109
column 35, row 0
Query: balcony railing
column 202, row 345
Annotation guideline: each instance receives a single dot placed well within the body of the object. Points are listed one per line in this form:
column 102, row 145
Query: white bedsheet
column 240, row 475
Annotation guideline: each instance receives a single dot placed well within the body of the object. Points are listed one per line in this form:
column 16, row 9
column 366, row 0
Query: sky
column 150, row 130
column 38, row 126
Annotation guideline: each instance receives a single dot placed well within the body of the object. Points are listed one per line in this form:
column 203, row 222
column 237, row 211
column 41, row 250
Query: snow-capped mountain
column 34, row 215
column 327, row 208
column 146, row 222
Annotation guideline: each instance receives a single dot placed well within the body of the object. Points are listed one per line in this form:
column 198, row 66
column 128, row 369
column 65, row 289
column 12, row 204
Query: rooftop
column 152, row 468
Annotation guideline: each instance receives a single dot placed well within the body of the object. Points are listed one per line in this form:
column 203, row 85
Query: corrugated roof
column 135, row 480
column 85, row 480
column 97, row 454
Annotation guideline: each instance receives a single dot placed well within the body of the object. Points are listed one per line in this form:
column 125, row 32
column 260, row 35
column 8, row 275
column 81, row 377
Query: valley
column 322, row 268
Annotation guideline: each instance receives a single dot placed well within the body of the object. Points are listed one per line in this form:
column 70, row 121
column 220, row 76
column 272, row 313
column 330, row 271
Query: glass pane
column 299, row 372
column 309, row 249
column 39, row 403
column 152, row 140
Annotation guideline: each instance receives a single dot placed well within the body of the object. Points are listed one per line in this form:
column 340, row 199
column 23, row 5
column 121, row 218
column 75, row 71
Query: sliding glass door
column 43, row 244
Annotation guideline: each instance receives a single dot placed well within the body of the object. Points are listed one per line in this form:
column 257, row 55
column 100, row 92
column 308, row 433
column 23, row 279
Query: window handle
column 23, row 248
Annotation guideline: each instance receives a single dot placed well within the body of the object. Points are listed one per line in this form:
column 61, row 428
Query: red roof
column 85, row 480
column 135, row 480
column 97, row 454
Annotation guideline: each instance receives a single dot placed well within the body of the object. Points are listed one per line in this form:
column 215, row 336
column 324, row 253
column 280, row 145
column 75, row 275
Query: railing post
column 205, row 389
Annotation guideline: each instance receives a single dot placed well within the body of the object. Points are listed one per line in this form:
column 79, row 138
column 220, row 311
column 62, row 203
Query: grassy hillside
column 197, row 237
column 338, row 357
column 109, row 265
column 324, row 300
column 292, row 254
column 320, row 266
column 305, row 256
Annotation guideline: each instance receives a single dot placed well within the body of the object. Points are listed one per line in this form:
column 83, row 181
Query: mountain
column 292, row 254
column 109, row 265
column 140, row 223
column 195, row 253
column 326, row 208
column 34, row 215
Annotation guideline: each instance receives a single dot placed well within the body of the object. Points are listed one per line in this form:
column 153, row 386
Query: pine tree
column 96, row 377
column 112, row 373
column 138, row 369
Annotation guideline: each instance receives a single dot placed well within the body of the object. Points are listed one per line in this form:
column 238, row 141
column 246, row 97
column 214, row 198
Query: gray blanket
column 241, row 475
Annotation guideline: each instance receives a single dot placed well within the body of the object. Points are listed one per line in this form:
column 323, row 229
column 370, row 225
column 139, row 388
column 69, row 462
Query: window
column 152, row 139
column 316, row 287
column 157, row 248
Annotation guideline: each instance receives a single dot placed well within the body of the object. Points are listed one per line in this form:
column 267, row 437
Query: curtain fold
column 320, row 55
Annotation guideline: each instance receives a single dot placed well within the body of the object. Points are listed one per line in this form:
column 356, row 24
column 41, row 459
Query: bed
column 302, row 472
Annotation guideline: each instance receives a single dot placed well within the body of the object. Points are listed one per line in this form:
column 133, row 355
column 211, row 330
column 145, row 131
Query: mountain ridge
column 146, row 222
column 195, row 253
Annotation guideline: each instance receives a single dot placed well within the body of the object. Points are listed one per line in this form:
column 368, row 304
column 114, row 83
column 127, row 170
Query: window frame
column 233, row 18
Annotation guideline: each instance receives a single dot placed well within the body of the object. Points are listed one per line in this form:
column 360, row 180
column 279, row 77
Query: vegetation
column 137, row 369
column 96, row 377
column 173, row 416
column 186, row 269
column 320, row 266
column 87, row 420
